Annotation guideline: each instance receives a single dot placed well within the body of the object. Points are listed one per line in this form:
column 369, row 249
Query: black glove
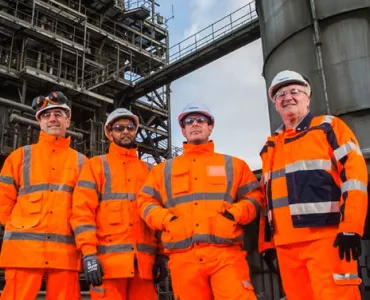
column 93, row 270
column 269, row 256
column 159, row 269
column 228, row 215
column 348, row 242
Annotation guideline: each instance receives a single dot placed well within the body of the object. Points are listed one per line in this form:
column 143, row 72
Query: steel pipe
column 17, row 105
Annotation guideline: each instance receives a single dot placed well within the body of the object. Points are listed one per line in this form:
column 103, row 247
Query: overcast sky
column 232, row 87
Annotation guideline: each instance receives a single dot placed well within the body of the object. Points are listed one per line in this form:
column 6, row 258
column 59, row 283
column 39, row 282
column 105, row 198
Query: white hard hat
column 118, row 114
column 195, row 108
column 50, row 106
column 53, row 100
column 284, row 78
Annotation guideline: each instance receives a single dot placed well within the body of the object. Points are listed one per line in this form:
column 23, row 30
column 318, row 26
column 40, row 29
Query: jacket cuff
column 88, row 250
column 354, row 228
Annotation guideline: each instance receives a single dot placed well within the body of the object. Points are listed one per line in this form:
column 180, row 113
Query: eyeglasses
column 199, row 120
column 57, row 115
column 121, row 128
column 53, row 98
column 294, row 92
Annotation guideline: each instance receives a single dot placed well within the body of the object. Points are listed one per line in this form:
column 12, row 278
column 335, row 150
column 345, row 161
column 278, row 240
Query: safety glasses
column 121, row 128
column 280, row 95
column 53, row 98
column 199, row 120
column 46, row 115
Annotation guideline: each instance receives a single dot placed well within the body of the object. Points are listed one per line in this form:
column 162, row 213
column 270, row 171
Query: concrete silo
column 329, row 42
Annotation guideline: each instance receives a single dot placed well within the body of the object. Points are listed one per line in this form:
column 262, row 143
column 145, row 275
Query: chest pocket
column 27, row 211
column 113, row 217
column 180, row 180
column 114, row 212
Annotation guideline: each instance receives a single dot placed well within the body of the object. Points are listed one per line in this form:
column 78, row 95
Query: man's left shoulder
column 232, row 158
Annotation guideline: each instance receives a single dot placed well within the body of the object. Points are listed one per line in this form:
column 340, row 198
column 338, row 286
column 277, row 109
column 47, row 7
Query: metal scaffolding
column 105, row 54
column 93, row 51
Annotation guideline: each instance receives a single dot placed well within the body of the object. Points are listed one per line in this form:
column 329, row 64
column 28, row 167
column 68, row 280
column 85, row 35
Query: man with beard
column 36, row 185
column 199, row 201
column 120, row 256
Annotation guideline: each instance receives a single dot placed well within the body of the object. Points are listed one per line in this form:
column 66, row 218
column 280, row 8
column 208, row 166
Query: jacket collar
column 302, row 125
column 122, row 151
column 52, row 140
column 208, row 147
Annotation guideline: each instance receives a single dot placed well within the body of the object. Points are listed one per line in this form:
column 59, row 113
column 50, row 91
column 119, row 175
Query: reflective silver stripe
column 97, row 289
column 249, row 187
column 41, row 237
column 26, row 165
column 201, row 238
column 107, row 175
column 168, row 180
column 314, row 208
column 345, row 276
column 152, row 192
column 44, row 187
column 6, row 179
column 87, row 184
column 108, row 194
column 229, row 178
column 145, row 248
column 274, row 175
column 353, row 184
column 343, row 150
column 117, row 248
column 280, row 202
column 193, row 197
column 327, row 119
column 254, row 202
column 277, row 203
column 148, row 209
column 80, row 161
column 118, row 196
column 277, row 174
column 307, row 165
column 83, row 228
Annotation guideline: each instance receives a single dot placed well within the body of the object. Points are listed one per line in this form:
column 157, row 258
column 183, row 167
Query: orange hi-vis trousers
column 211, row 273
column 24, row 284
column 313, row 271
column 133, row 288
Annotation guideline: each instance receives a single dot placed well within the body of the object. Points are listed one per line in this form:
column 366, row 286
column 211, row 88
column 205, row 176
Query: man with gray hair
column 315, row 180
column 36, row 185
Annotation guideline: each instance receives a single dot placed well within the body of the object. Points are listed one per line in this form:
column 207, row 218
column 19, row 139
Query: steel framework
column 92, row 51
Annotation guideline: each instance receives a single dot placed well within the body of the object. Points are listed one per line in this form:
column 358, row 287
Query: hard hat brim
column 276, row 87
column 62, row 106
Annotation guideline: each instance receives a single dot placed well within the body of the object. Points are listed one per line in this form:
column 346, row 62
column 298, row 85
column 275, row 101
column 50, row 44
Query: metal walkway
column 230, row 33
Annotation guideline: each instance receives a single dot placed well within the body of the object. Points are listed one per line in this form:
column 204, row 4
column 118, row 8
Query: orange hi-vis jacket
column 105, row 216
column 36, row 185
column 315, row 181
column 198, row 187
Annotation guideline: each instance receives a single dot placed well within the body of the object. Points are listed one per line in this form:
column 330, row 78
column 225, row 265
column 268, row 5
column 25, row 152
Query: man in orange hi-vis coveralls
column 199, row 201
column 121, row 260
column 315, row 180
column 36, row 185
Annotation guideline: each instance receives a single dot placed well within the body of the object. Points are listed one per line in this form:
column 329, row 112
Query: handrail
column 214, row 31
column 210, row 34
